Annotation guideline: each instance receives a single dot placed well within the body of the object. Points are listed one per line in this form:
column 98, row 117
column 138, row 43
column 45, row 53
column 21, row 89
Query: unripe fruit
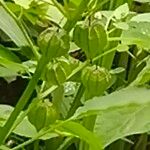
column 53, row 44
column 91, row 39
column 43, row 114
column 57, row 72
column 96, row 80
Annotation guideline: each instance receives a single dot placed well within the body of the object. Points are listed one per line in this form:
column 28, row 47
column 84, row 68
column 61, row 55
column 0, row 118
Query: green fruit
column 43, row 115
column 57, row 72
column 96, row 80
column 92, row 39
column 53, row 44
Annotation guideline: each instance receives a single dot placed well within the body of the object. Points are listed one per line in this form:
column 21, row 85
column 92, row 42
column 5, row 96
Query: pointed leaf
column 81, row 132
column 11, row 28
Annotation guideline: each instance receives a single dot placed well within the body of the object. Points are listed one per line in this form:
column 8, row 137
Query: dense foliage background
column 74, row 74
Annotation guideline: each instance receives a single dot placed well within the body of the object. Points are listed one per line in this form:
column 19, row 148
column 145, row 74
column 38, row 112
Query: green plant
column 92, row 103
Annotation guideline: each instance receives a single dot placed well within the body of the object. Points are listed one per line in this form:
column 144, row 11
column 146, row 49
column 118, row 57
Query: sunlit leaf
column 11, row 28
column 138, row 34
column 122, row 11
column 141, row 17
column 24, row 3
column 81, row 132
column 121, row 113
column 7, row 54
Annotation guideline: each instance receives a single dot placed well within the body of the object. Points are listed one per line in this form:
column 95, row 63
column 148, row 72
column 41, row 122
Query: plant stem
column 71, row 22
column 104, row 54
column 39, row 135
column 4, row 132
column 36, row 145
column 48, row 91
column 23, row 100
column 67, row 142
column 77, row 101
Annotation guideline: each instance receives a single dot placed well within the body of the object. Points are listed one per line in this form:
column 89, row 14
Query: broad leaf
column 55, row 15
column 117, row 123
column 138, row 34
column 6, row 73
column 11, row 28
column 121, row 113
column 141, row 18
column 25, row 128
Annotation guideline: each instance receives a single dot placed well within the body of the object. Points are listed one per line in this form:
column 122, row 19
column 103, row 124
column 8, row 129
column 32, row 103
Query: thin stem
column 31, row 86
column 48, row 91
column 112, row 30
column 39, row 135
column 35, row 52
column 78, row 69
column 23, row 100
column 70, row 23
column 36, row 145
column 24, row 114
column 105, row 53
column 77, row 101
column 67, row 142
column 21, row 13
column 114, row 39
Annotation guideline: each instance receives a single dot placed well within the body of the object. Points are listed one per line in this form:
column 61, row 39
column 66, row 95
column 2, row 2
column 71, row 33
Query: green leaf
column 7, row 54
column 121, row 25
column 121, row 12
column 144, row 76
column 25, row 128
column 122, row 48
column 138, row 34
column 75, row 2
column 77, row 130
column 143, row 1
column 145, row 17
column 55, row 15
column 4, row 72
column 11, row 28
column 13, row 66
column 5, row 111
column 120, row 114
column 24, row 3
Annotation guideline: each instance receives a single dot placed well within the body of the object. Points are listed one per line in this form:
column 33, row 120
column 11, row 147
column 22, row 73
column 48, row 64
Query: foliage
column 87, row 68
